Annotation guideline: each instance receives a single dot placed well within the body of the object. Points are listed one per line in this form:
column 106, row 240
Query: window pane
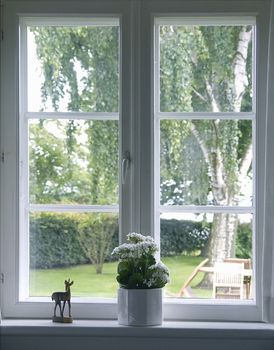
column 206, row 162
column 69, row 68
column 205, row 68
column 76, row 246
column 73, row 162
column 188, row 239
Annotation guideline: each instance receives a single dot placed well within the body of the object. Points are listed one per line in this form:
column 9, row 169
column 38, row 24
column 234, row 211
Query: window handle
column 125, row 166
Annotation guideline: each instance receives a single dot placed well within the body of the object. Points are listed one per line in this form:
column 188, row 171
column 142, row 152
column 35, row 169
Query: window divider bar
column 73, row 208
column 206, row 115
column 206, row 19
column 205, row 209
column 72, row 20
column 73, row 115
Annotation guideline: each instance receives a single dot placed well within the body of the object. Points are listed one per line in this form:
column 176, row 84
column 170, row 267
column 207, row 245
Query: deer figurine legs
column 69, row 307
column 58, row 303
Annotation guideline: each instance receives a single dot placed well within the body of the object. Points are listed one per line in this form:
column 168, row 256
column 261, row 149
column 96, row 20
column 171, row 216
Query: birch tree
column 206, row 69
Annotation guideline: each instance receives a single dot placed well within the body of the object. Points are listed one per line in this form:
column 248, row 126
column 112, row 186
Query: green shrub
column 244, row 241
column 53, row 241
column 182, row 236
column 54, row 238
column 95, row 232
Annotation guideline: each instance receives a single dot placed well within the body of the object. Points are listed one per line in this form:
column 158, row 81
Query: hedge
column 182, row 236
column 54, row 239
column 244, row 241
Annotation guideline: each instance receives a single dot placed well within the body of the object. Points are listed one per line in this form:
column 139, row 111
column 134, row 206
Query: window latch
column 125, row 166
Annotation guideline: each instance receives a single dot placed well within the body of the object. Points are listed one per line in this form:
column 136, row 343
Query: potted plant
column 141, row 280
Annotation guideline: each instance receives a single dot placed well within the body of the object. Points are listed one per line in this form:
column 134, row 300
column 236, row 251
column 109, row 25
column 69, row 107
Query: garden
column 205, row 163
column 57, row 252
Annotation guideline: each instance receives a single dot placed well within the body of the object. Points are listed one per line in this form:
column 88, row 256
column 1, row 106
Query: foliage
column 55, row 176
column 197, row 76
column 95, row 50
column 53, row 241
column 200, row 159
column 76, row 161
column 183, row 236
column 137, row 268
column 102, row 161
column 95, row 234
column 55, row 238
column 244, row 241
column 206, row 162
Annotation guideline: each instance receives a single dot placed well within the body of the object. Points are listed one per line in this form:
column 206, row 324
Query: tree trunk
column 99, row 268
column 221, row 243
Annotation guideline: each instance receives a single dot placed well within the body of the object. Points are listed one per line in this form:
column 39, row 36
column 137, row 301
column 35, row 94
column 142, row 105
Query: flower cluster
column 139, row 246
column 137, row 267
column 159, row 274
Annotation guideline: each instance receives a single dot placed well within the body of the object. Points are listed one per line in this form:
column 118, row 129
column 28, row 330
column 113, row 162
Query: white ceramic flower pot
column 140, row 307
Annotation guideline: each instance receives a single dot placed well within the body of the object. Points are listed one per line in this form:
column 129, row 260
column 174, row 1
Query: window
column 69, row 136
column 204, row 127
column 145, row 84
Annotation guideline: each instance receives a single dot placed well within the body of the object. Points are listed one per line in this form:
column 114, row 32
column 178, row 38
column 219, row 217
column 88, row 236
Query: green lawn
column 88, row 283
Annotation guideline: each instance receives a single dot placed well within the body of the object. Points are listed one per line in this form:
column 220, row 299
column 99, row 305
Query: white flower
column 138, row 237
column 160, row 267
column 160, row 274
column 135, row 237
column 140, row 246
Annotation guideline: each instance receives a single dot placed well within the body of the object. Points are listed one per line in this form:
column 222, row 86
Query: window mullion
column 73, row 208
column 73, row 115
column 204, row 209
column 205, row 115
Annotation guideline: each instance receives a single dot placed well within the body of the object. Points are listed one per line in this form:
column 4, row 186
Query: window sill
column 110, row 328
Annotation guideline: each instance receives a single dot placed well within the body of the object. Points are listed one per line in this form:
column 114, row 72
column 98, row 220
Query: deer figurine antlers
column 64, row 297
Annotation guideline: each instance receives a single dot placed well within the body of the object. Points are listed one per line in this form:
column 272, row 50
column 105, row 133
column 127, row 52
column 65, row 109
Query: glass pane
column 69, row 68
column 206, row 162
column 187, row 240
column 205, row 68
column 73, row 162
column 76, row 246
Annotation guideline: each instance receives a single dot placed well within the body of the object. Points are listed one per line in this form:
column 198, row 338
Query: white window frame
column 25, row 207
column 14, row 258
column 160, row 115
column 137, row 110
column 256, row 310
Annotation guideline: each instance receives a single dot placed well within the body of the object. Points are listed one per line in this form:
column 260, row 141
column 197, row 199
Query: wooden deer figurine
column 64, row 297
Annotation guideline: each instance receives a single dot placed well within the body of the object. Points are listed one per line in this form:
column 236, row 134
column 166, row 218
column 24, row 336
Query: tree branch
column 201, row 143
column 199, row 95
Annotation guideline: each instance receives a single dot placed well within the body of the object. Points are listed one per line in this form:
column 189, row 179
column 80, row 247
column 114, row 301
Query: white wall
column 14, row 342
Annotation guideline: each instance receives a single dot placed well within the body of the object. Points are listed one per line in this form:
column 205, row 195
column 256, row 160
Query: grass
column 180, row 268
column 88, row 283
